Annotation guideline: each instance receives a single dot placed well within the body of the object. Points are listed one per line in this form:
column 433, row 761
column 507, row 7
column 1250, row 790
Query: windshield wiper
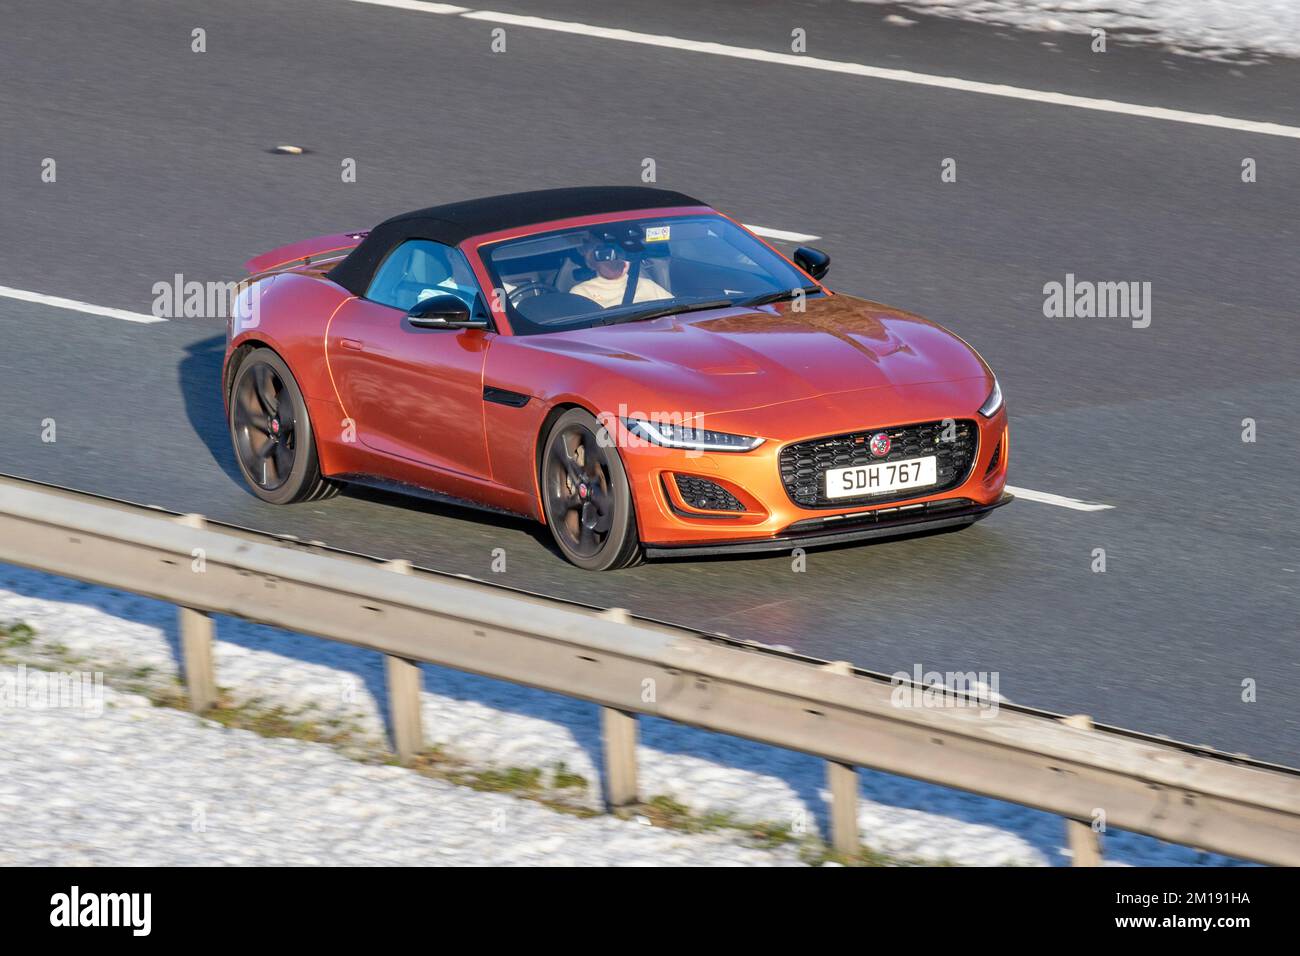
column 780, row 295
column 663, row 310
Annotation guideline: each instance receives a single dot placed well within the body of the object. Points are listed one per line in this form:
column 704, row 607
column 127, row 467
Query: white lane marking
column 1060, row 501
column 780, row 234
column 56, row 302
column 853, row 69
column 419, row 5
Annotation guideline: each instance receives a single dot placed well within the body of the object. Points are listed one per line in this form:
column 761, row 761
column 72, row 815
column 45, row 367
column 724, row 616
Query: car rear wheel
column 272, row 432
column 586, row 495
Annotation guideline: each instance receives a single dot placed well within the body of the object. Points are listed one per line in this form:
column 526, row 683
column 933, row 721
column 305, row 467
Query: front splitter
column 863, row 529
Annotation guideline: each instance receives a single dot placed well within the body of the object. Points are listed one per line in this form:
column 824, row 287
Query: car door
column 416, row 393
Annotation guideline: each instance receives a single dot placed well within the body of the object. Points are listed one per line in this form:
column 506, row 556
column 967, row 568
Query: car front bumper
column 764, row 515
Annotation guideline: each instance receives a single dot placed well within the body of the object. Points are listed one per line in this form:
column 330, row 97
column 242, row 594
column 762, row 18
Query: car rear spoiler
column 304, row 252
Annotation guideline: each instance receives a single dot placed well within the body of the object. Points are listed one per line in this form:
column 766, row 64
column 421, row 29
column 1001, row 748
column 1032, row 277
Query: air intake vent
column 705, row 495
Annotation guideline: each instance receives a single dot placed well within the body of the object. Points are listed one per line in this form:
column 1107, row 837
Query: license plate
column 881, row 478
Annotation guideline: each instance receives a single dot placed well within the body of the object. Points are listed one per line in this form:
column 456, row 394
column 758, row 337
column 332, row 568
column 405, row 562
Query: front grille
column 804, row 464
column 706, row 495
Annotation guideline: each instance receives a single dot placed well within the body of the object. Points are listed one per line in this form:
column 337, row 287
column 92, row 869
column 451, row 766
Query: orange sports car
column 628, row 365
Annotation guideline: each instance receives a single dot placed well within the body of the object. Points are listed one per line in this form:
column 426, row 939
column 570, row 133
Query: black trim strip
column 503, row 396
column 885, row 528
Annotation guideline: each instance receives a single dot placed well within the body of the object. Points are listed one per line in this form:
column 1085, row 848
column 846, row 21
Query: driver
column 608, row 287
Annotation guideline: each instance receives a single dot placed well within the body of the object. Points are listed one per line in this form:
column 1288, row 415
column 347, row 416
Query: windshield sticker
column 657, row 233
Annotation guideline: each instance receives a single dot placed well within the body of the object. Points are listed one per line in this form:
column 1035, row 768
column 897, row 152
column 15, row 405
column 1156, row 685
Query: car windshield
column 630, row 270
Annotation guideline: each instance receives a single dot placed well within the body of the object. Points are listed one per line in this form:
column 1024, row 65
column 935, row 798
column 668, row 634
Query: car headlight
column 695, row 439
column 993, row 402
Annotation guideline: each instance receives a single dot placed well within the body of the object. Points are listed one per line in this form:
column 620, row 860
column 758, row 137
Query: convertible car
column 629, row 366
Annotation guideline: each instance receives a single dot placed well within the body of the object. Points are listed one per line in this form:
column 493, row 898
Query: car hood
column 738, row 359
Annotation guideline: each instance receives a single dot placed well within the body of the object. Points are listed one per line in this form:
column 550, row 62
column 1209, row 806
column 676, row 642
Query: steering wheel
column 528, row 290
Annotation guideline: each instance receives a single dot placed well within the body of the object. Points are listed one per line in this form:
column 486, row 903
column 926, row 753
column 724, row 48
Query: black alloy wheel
column 272, row 432
column 585, row 491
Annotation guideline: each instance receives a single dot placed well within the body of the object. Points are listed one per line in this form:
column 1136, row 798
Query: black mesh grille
column 705, row 495
column 804, row 464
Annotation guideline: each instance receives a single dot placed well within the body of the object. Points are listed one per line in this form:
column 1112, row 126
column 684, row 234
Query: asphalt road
column 163, row 168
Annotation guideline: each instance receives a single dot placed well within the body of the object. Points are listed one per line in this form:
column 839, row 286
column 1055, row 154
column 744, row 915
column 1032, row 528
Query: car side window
column 418, row 269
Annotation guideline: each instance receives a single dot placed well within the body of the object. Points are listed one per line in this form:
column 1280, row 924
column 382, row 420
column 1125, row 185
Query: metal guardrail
column 1194, row 796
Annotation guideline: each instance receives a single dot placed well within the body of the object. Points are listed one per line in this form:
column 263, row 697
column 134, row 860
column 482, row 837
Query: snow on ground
column 163, row 760
column 151, row 786
column 1216, row 29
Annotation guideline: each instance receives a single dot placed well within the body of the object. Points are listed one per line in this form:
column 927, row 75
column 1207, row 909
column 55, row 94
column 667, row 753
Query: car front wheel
column 586, row 495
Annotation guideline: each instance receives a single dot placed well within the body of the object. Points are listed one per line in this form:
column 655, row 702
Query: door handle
column 352, row 345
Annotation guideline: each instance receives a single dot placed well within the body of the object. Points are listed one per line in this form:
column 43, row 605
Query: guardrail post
column 618, row 732
column 197, row 629
column 618, row 729
column 1085, row 842
column 842, row 779
column 404, row 695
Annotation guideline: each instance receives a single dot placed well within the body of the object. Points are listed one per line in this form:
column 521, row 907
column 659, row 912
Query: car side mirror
column 812, row 261
column 443, row 312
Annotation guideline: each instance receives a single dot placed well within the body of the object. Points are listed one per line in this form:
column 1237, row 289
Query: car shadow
column 425, row 502
column 200, row 383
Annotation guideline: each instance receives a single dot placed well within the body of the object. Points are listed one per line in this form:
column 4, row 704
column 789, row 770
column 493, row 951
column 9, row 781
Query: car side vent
column 993, row 462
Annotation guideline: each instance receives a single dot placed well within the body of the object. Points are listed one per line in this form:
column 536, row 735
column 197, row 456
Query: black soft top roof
column 455, row 222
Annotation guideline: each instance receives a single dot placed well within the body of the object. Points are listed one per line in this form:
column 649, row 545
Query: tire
column 276, row 452
column 586, row 496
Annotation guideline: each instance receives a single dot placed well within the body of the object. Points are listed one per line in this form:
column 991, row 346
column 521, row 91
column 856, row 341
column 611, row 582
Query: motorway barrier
column 631, row 666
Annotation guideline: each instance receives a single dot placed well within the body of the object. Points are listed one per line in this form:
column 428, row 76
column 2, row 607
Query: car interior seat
column 424, row 271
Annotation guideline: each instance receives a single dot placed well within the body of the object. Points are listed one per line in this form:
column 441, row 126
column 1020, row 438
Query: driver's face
column 607, row 268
